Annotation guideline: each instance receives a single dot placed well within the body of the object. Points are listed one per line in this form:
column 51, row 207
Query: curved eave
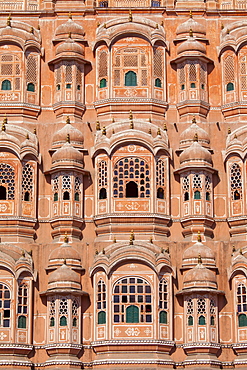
column 189, row 55
column 30, row 151
column 236, row 270
column 199, row 290
column 63, row 291
column 65, row 56
column 68, row 166
column 23, row 43
column 234, row 44
column 192, row 166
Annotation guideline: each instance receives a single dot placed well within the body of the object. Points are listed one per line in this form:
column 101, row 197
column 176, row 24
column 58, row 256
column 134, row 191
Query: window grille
column 201, row 306
column 52, row 313
column 7, row 179
column 192, row 72
column 27, row 181
column 181, row 74
column 229, row 71
column 32, row 69
column 132, row 301
column 236, row 181
column 160, row 179
column 203, row 74
column 63, row 312
column 241, row 305
column 66, row 182
column 22, row 306
column 9, row 70
column 102, row 179
column 75, row 306
column 197, row 182
column 101, row 302
column 131, row 169
column 158, row 63
column 190, row 307
column 68, row 72
column 103, row 64
column 5, row 303
column 163, row 301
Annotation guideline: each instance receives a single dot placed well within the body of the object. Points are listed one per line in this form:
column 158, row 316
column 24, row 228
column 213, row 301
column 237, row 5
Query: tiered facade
column 123, row 182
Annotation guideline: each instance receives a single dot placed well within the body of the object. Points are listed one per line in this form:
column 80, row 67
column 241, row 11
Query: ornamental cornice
column 132, row 342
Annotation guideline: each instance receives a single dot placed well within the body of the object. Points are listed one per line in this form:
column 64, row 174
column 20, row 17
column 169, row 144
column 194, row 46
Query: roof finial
column 132, row 237
column 9, row 20
column 151, row 240
column 130, row 115
column 68, row 120
column 35, row 131
column 70, row 15
column 158, row 132
column 191, row 16
column 131, row 125
column 68, row 138
column 3, row 126
column 241, row 251
column 23, row 253
column 5, row 119
column 66, row 239
column 31, row 30
column 64, row 261
column 165, row 127
column 229, row 131
column 103, row 130
column 199, row 237
column 114, row 240
column 27, row 136
column 199, row 259
column 233, row 248
column 130, row 16
column 97, row 126
column 191, row 33
column 194, row 119
column 195, row 137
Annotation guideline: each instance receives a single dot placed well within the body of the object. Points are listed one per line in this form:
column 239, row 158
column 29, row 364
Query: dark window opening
column 202, row 320
column 197, row 195
column 30, row 87
column 186, row 196
column 160, row 193
column 78, row 87
column 157, row 82
column 102, row 193
column 102, row 83
column 74, row 322
column 68, row 86
column 55, row 197
column 103, row 4
column 101, row 317
column 52, row 321
column 63, row 321
column 193, row 85
column 130, row 79
column 58, row 87
column 27, row 196
column 212, row 321
column 190, row 321
column 155, row 4
column 22, row 322
column 77, row 197
column 3, row 193
column 66, row 195
column 6, row 85
column 207, row 195
column 131, row 190
column 236, row 195
column 203, row 87
column 182, row 87
column 163, row 317
column 230, row 86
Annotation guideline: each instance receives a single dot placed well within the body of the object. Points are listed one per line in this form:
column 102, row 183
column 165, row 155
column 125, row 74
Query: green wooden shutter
column 197, row 195
column 63, row 321
column 22, row 322
column 132, row 314
column 101, row 317
column 163, row 317
column 130, row 79
column 190, row 321
column 202, row 320
column 242, row 320
column 6, row 85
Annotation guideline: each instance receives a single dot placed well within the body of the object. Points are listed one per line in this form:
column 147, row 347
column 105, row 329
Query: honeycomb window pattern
column 132, row 292
column 7, row 178
column 197, row 182
column 55, row 184
column 212, row 307
column 52, row 312
column 201, row 306
column 207, row 183
column 229, row 69
column 160, row 173
column 131, row 169
column 74, row 310
column 63, row 312
column 27, row 180
column 77, row 185
column 190, row 306
column 102, row 177
column 66, row 182
column 236, row 181
column 186, row 183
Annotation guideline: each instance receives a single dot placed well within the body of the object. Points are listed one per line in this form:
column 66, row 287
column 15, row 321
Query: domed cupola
column 64, row 278
column 200, row 278
column 190, row 255
column 75, row 135
column 191, row 46
column 69, row 48
column 64, row 252
column 190, row 24
column 70, row 27
column 188, row 135
column 67, row 155
column 196, row 155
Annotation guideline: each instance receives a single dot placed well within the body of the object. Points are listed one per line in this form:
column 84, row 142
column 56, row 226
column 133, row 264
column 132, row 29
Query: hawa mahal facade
column 123, row 182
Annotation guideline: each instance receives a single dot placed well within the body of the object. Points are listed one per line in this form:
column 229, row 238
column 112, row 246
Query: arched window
column 160, row 193
column 52, row 312
column 27, row 182
column 5, row 302
column 230, row 86
column 7, row 177
column 132, row 314
column 77, row 197
column 102, row 83
column 31, row 87
column 102, row 179
column 163, row 317
column 186, row 196
column 160, row 178
column 55, row 197
column 22, row 322
column 190, row 321
column 131, row 178
column 130, row 79
column 6, row 85
column 63, row 321
column 22, row 305
column 197, row 195
column 63, row 312
column 66, row 195
column 202, row 320
column 101, row 302
column 157, row 82
column 193, row 85
column 3, row 193
column 242, row 320
column 52, row 321
column 75, row 315
column 27, row 196
column 212, row 320
column 236, row 181
column 131, row 190
column 186, row 187
column 163, row 301
column 190, row 311
column 102, row 193
column 241, row 298
column 132, row 301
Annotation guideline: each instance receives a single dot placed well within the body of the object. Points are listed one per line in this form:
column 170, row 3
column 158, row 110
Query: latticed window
column 10, row 72
column 243, row 72
column 203, row 76
column 197, row 186
column 102, row 179
column 75, row 315
column 192, row 74
column 241, row 305
column 212, row 312
column 208, row 184
column 201, row 311
column 7, row 182
column 103, row 68
column 163, row 301
column 190, row 311
column 77, row 187
column 158, row 63
column 130, row 67
column 235, row 181
column 101, row 302
column 63, row 312
column 186, row 188
column 229, row 73
column 52, row 313
column 132, row 301
column 131, row 178
column 27, row 182
column 55, row 188
column 160, row 179
column 181, row 76
column 5, row 302
column 32, row 72
column 22, row 307
column 66, row 186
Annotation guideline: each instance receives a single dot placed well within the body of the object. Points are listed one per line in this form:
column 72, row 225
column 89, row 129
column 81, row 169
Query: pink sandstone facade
column 123, row 182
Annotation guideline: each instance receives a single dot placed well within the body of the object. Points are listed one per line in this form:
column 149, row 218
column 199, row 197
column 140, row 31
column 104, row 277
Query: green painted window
column 55, row 197
column 58, row 87
column 182, row 87
column 212, row 320
column 197, row 195
column 132, row 314
column 101, row 317
column 6, row 85
column 77, row 197
column 30, row 87
column 207, row 195
column 193, row 85
column 102, row 83
column 190, row 321
column 157, row 82
column 230, row 86
column 130, row 79
column 63, row 321
column 163, row 317
column 74, row 322
column 202, row 320
column 68, row 86
column 52, row 321
column 22, row 322
column 242, row 320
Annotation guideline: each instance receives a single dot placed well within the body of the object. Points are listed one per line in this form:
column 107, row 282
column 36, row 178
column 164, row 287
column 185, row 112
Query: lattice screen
column 229, row 70
column 181, row 72
column 103, row 64
column 10, row 67
column 158, row 63
column 192, row 71
column 32, row 69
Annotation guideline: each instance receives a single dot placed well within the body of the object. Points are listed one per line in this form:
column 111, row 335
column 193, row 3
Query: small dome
column 190, row 256
column 191, row 24
column 191, row 45
column 187, row 136
column 70, row 46
column 67, row 154
column 65, row 251
column 76, row 137
column 200, row 276
column 64, row 274
column 69, row 27
column 196, row 153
